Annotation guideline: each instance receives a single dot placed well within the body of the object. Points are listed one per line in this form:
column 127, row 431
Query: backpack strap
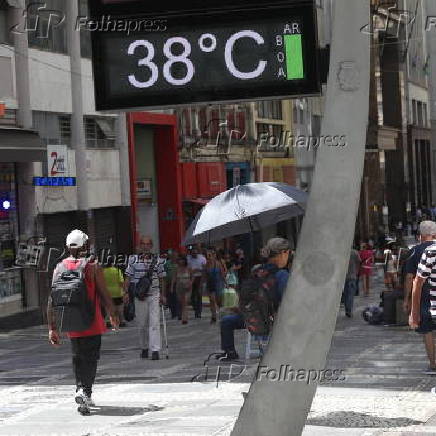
column 82, row 265
column 152, row 266
column 61, row 267
column 58, row 271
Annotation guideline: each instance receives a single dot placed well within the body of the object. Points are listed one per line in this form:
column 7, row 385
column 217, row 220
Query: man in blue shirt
column 277, row 252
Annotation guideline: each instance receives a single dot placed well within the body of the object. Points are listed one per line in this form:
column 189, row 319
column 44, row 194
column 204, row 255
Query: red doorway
column 168, row 176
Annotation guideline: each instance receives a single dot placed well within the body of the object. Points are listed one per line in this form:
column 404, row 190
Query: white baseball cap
column 76, row 238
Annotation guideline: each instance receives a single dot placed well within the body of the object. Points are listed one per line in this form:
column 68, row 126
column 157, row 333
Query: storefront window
column 10, row 277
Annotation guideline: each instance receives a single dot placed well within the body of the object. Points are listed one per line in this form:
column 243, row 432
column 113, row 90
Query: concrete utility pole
column 307, row 316
column 24, row 111
column 77, row 128
column 123, row 147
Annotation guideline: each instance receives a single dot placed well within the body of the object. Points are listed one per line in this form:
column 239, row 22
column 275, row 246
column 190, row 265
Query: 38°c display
column 210, row 57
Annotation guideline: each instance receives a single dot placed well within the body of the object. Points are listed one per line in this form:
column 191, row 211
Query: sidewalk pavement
column 385, row 391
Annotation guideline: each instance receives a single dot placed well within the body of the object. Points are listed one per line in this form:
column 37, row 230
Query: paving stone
column 385, row 391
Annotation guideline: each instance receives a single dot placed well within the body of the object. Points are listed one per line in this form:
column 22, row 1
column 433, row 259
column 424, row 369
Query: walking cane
column 165, row 331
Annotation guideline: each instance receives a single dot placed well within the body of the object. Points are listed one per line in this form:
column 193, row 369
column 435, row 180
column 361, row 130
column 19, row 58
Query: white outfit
column 147, row 313
column 148, row 320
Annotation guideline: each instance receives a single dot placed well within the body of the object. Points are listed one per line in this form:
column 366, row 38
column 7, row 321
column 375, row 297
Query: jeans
column 349, row 293
column 229, row 324
column 86, row 353
column 196, row 296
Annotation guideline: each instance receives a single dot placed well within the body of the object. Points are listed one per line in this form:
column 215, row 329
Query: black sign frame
column 194, row 13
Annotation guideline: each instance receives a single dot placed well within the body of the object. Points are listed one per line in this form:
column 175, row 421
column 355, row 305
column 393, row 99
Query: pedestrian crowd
column 87, row 299
column 409, row 297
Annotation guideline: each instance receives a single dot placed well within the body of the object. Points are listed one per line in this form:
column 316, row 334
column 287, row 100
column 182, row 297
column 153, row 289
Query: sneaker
column 89, row 401
column 230, row 356
column 349, row 314
column 144, row 354
column 82, row 398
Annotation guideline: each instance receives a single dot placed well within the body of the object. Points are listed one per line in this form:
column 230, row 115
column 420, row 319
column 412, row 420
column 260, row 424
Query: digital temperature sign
column 239, row 51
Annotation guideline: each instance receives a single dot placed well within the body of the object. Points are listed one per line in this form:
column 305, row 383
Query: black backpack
column 73, row 309
column 256, row 303
column 143, row 286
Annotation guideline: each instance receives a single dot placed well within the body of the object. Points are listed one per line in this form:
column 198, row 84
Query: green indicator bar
column 294, row 57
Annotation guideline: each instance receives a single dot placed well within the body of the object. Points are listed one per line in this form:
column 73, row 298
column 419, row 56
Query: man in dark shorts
column 421, row 268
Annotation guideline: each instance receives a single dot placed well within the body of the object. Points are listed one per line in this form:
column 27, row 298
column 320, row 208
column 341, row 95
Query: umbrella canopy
column 244, row 209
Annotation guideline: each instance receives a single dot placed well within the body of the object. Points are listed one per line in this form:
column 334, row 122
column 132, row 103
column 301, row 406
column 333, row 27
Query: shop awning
column 21, row 145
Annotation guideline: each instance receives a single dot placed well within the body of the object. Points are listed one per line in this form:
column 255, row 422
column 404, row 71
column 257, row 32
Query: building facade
column 49, row 107
column 397, row 180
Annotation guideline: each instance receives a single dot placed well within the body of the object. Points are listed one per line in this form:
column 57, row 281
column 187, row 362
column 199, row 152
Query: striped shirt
column 427, row 270
column 139, row 265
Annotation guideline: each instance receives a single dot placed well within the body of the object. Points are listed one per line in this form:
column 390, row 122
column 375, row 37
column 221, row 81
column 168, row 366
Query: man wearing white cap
column 85, row 343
